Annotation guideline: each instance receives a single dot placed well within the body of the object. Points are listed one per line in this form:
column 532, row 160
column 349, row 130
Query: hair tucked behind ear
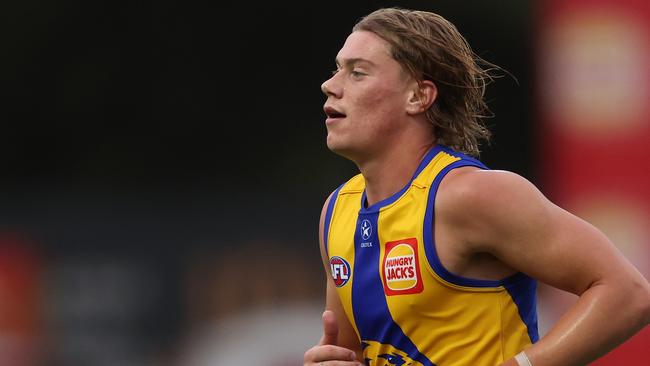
column 431, row 48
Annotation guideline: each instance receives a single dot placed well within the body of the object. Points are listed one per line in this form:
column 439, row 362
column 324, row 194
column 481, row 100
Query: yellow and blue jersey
column 406, row 308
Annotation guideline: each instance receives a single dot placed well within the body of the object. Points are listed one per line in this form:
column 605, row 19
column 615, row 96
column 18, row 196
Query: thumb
column 330, row 328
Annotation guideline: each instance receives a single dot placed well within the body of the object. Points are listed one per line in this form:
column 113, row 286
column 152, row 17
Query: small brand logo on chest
column 366, row 229
column 401, row 268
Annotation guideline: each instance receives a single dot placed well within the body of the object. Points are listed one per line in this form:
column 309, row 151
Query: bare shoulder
column 486, row 203
column 321, row 230
column 323, row 211
column 471, row 188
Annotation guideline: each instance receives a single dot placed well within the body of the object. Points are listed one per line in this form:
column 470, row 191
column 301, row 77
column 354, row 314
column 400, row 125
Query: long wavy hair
column 430, row 48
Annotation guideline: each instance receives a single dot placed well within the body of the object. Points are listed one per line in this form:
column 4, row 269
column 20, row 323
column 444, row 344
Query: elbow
column 643, row 296
column 634, row 298
column 646, row 306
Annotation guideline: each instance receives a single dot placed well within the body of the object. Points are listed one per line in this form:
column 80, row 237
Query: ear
column 421, row 97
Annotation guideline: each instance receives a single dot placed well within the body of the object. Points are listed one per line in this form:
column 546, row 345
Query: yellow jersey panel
column 406, row 308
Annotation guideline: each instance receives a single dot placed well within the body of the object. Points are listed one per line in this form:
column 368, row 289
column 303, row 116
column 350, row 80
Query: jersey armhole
column 328, row 217
column 429, row 239
column 519, row 286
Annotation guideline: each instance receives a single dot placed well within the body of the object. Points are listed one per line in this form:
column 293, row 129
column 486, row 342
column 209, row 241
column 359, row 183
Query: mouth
column 333, row 114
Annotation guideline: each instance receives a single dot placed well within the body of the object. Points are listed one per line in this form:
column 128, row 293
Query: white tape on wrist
column 522, row 359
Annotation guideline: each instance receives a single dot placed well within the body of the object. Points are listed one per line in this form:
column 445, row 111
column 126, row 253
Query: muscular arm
column 339, row 339
column 503, row 214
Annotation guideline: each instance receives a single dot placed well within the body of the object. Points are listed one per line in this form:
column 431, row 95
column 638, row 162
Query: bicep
column 529, row 233
column 558, row 248
column 347, row 335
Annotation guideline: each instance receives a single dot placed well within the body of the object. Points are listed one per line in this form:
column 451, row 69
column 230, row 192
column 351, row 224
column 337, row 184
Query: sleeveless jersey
column 406, row 308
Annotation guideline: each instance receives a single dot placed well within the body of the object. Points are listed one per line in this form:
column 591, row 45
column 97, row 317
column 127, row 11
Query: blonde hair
column 430, row 48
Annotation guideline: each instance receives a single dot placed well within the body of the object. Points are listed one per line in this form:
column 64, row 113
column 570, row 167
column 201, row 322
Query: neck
column 385, row 175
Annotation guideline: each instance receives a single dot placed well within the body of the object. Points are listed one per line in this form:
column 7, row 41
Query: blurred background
column 163, row 165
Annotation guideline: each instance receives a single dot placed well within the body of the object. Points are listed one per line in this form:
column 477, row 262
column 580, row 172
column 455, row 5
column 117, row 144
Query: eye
column 357, row 74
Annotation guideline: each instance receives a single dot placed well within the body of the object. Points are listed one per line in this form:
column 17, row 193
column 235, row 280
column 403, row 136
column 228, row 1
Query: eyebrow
column 352, row 61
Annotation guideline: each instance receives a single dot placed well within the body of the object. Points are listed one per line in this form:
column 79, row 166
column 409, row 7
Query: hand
column 326, row 352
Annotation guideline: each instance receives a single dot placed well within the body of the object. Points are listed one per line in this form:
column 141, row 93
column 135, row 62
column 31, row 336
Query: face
column 366, row 97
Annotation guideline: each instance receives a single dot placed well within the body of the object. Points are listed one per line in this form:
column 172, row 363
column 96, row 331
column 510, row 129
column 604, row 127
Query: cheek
column 375, row 95
column 376, row 101
column 379, row 106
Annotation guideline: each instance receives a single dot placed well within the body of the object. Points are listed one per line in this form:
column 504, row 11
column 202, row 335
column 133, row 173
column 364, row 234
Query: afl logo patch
column 340, row 271
column 401, row 268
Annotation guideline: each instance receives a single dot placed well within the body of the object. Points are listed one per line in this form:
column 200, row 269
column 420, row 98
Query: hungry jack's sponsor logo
column 401, row 268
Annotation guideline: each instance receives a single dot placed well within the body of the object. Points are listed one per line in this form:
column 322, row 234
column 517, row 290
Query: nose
column 330, row 87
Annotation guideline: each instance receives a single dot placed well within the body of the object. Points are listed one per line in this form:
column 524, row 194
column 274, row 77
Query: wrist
column 522, row 359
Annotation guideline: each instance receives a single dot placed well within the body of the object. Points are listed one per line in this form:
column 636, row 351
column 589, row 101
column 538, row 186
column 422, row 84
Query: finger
column 330, row 328
column 329, row 353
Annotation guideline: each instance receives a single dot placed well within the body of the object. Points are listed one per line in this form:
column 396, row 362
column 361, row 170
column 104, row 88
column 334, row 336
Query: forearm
column 603, row 317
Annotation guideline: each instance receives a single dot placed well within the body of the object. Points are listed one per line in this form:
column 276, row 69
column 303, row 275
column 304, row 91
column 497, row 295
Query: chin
column 345, row 150
column 336, row 144
column 335, row 148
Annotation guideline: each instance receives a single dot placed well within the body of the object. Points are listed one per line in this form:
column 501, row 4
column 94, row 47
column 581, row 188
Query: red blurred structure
column 594, row 88
column 20, row 303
